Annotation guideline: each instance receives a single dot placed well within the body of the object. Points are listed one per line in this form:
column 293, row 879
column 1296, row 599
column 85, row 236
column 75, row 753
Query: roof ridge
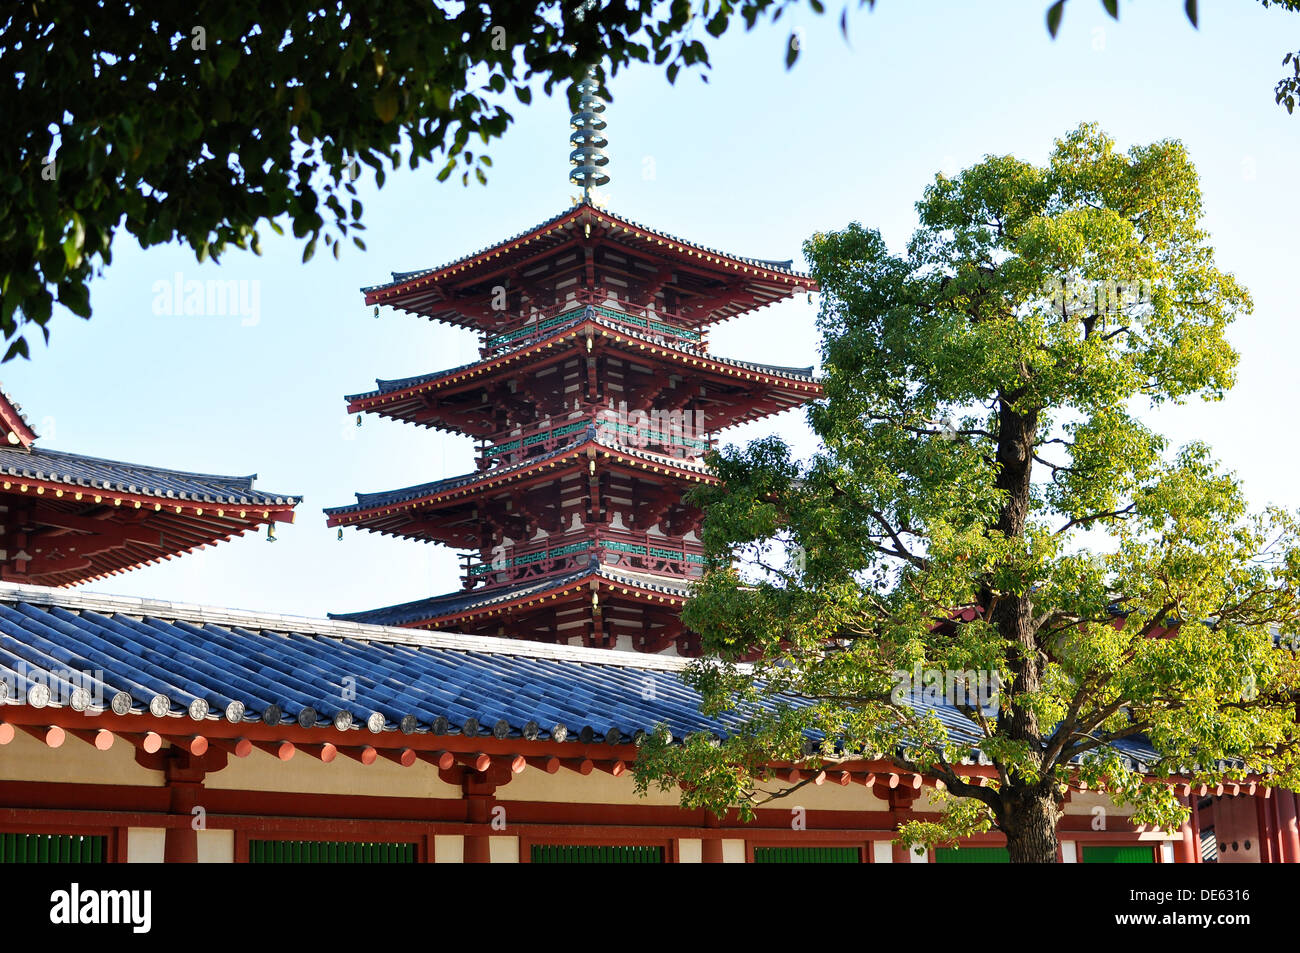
column 309, row 625
column 218, row 477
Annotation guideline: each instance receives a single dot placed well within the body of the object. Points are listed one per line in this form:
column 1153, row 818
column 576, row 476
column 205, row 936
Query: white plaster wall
column 733, row 851
column 448, row 849
column 144, row 845
column 503, row 850
column 216, row 847
column 690, row 850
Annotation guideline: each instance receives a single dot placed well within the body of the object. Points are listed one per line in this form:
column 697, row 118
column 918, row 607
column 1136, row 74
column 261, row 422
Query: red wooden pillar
column 1189, row 849
column 181, row 842
column 1265, row 829
column 1196, row 823
column 711, row 850
column 1288, row 830
column 478, row 848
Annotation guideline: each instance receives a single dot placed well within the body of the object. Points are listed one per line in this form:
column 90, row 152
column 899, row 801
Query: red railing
column 664, row 434
column 666, row 324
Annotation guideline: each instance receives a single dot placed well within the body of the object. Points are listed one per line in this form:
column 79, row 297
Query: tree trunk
column 1029, row 821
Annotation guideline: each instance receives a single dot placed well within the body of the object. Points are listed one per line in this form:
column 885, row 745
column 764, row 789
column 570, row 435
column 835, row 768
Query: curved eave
column 376, row 517
column 181, row 527
column 419, row 292
column 574, row 588
column 402, row 402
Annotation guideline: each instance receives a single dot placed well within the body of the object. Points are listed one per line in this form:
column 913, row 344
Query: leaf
column 76, row 298
column 1054, row 17
column 1190, row 7
column 1112, row 7
column 74, row 241
column 309, row 251
column 791, row 50
column 385, row 103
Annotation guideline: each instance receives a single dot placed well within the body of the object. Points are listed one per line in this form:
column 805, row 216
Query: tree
column 988, row 500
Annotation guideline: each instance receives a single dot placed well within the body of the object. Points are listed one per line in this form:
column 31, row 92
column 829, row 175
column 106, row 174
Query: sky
column 752, row 162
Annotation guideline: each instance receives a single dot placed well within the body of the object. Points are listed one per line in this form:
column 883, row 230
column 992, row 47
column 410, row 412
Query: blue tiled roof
column 94, row 473
column 176, row 659
column 164, row 658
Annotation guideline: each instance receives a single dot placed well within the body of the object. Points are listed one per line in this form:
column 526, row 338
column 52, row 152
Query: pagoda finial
column 587, row 158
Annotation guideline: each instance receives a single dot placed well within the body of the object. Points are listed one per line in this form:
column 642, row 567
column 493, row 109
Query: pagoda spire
column 587, row 137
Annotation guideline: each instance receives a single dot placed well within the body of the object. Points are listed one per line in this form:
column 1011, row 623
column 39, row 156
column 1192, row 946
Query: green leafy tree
column 988, row 500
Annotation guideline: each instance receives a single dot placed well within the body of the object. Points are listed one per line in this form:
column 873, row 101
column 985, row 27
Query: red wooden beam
column 52, row 735
column 442, row 760
column 239, row 747
column 101, row 738
column 583, row 766
column 365, row 754
column 549, row 763
column 6, row 733
column 404, row 756
column 326, row 752
column 478, row 761
column 196, row 745
column 281, row 749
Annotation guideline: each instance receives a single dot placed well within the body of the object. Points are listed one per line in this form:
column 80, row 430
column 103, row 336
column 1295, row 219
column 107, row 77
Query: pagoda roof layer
column 155, row 660
column 498, row 600
column 386, row 502
column 733, row 284
column 94, row 473
column 403, row 398
column 72, row 518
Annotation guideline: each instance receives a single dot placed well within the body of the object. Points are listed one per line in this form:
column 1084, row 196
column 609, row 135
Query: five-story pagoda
column 593, row 404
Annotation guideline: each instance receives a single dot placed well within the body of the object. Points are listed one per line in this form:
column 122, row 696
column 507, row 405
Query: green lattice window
column 53, row 848
column 1136, row 854
column 807, row 855
column 595, row 854
column 971, row 855
column 329, row 852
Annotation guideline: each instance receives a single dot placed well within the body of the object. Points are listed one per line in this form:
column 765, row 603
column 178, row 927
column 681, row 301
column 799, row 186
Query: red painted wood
column 365, row 754
column 324, row 752
column 443, row 760
column 101, row 739
column 50, row 735
column 405, row 756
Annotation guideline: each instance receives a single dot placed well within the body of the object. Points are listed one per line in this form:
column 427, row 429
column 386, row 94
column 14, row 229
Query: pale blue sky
column 753, row 162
